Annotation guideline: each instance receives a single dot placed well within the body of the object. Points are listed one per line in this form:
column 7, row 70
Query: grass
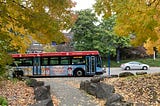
column 150, row 61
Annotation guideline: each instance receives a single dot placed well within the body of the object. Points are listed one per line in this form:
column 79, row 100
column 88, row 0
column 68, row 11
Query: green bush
column 2, row 72
column 3, row 101
column 150, row 61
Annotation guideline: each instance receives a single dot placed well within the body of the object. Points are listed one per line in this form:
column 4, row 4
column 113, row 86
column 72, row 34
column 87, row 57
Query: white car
column 134, row 65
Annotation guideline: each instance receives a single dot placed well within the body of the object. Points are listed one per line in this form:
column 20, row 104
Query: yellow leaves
column 20, row 30
column 157, row 30
column 20, row 39
column 150, row 44
column 123, row 30
column 20, row 42
column 134, row 16
column 29, row 20
column 158, row 44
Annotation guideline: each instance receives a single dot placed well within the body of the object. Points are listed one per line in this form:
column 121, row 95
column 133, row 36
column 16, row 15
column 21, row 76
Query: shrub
column 3, row 101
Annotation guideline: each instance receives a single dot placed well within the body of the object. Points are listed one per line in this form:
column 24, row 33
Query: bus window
column 65, row 60
column 44, row 61
column 78, row 60
column 17, row 62
column 23, row 62
column 27, row 62
column 54, row 60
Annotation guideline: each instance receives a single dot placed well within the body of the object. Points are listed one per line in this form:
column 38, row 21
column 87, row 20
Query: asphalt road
column 116, row 71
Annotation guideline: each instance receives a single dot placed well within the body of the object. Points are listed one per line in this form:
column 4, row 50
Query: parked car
column 134, row 66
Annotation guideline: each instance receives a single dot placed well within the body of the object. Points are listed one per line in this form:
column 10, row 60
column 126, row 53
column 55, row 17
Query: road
column 116, row 71
column 66, row 90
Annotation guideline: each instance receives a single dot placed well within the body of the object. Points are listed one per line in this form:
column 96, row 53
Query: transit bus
column 76, row 63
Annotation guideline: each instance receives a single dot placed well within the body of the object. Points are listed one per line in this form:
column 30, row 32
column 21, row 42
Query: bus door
column 36, row 66
column 90, row 65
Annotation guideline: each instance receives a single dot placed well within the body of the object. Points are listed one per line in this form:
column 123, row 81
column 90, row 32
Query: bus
column 76, row 63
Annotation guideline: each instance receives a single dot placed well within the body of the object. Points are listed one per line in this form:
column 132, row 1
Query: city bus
column 76, row 63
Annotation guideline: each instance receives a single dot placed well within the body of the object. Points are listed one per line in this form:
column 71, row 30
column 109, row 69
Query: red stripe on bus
column 76, row 53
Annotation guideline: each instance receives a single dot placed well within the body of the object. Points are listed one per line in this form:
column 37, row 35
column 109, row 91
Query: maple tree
column 134, row 17
column 22, row 21
column 41, row 20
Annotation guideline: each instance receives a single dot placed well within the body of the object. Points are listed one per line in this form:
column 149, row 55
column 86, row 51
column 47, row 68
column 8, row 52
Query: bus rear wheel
column 79, row 73
column 17, row 74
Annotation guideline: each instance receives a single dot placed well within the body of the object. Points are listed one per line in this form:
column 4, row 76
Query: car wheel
column 145, row 68
column 127, row 68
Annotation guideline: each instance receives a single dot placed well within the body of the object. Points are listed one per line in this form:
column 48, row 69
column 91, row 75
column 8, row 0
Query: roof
column 75, row 53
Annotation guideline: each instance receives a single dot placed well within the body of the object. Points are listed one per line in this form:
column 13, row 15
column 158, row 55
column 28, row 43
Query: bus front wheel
column 79, row 73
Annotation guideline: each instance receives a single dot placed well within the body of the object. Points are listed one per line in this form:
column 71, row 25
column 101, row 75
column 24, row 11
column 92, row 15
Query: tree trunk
column 118, row 55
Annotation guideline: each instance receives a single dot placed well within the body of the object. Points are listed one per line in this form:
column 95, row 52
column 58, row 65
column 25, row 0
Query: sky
column 83, row 4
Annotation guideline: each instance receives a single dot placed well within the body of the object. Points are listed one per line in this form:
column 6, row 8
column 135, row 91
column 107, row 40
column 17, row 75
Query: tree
column 49, row 48
column 84, row 30
column 4, row 48
column 113, row 41
column 90, row 36
column 41, row 20
column 139, row 17
column 24, row 20
column 152, row 47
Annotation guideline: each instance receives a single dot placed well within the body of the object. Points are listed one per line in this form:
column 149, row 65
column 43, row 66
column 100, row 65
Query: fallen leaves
column 55, row 100
column 140, row 89
column 17, row 93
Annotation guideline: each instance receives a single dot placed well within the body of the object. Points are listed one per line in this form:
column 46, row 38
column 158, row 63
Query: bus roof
column 46, row 54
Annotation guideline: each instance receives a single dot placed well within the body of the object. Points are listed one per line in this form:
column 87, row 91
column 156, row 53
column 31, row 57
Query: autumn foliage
column 40, row 20
column 23, row 21
column 136, row 18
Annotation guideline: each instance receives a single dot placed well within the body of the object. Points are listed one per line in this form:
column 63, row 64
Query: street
column 117, row 70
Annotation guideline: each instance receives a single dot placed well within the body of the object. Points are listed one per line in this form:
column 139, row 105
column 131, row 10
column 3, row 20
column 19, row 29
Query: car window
column 134, row 63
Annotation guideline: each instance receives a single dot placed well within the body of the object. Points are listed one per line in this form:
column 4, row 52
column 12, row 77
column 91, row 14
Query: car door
column 137, row 65
column 134, row 65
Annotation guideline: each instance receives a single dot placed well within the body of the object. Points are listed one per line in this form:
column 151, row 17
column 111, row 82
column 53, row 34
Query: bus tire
column 14, row 75
column 78, row 73
column 17, row 74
